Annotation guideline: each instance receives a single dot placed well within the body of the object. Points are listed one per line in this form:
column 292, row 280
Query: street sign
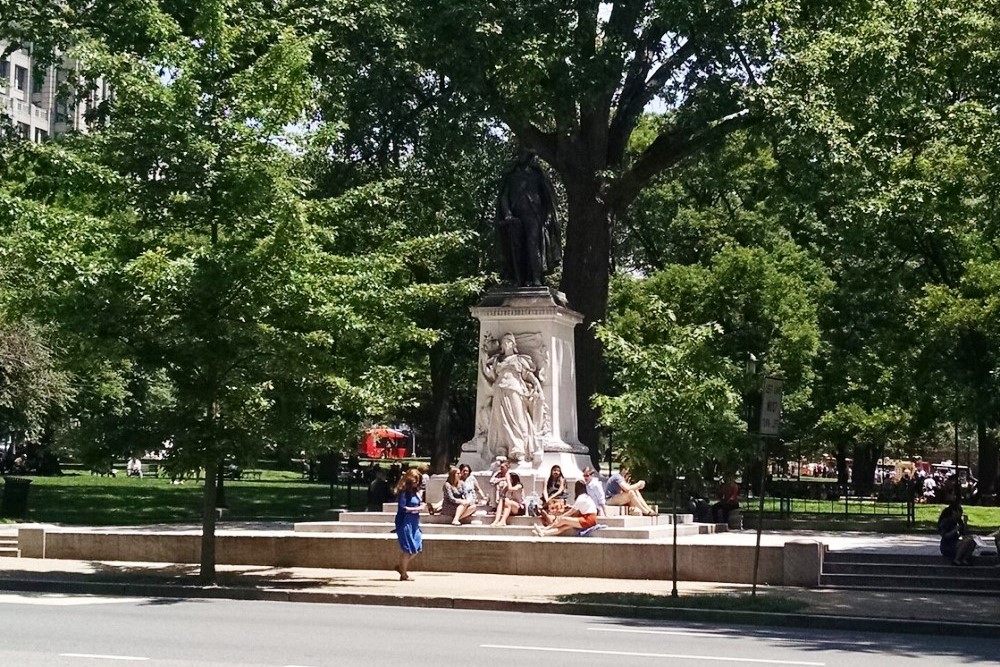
column 770, row 406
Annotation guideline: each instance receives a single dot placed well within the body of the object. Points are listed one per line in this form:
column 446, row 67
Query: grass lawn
column 981, row 519
column 84, row 499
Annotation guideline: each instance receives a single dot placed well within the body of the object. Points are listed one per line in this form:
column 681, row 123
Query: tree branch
column 543, row 143
column 669, row 148
column 637, row 93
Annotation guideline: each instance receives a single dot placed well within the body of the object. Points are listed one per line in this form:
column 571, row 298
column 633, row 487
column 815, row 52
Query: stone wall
column 796, row 564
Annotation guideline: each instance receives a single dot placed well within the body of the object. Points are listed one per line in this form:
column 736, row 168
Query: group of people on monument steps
column 462, row 498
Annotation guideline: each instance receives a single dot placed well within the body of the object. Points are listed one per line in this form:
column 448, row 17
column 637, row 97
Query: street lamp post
column 958, row 488
column 677, row 482
column 753, row 428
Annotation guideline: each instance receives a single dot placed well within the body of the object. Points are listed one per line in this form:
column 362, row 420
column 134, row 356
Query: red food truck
column 381, row 442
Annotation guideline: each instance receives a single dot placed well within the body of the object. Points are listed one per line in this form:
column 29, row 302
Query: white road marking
column 672, row 633
column 60, row 600
column 636, row 654
column 725, row 635
column 96, row 656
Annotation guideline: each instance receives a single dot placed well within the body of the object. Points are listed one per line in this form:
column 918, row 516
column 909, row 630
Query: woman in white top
column 512, row 502
column 582, row 515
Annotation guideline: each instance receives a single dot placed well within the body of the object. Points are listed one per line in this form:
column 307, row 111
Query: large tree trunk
column 863, row 474
column 441, row 362
column 842, row 462
column 586, row 273
column 207, row 573
column 989, row 449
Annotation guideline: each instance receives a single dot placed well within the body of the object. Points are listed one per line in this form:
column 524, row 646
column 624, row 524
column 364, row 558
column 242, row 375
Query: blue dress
column 408, row 524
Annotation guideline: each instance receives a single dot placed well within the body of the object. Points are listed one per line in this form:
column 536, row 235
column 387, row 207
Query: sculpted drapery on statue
column 527, row 226
column 517, row 414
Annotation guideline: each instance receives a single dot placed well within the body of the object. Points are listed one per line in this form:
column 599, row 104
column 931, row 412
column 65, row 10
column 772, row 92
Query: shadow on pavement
column 953, row 650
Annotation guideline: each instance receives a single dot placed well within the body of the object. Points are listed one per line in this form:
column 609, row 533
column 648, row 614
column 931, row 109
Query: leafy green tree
column 200, row 262
column 571, row 81
column 713, row 244
column 34, row 390
column 436, row 158
column 676, row 406
column 894, row 137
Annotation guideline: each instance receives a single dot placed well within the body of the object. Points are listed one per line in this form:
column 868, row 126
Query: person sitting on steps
column 512, row 503
column 554, row 496
column 581, row 516
column 953, row 527
column 470, row 485
column 499, row 481
column 455, row 503
column 620, row 492
column 595, row 489
column 729, row 500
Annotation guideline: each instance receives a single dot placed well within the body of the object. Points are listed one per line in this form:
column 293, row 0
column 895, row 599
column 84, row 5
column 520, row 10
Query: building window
column 24, row 129
column 40, row 135
column 4, row 72
column 36, row 83
column 62, row 111
column 20, row 77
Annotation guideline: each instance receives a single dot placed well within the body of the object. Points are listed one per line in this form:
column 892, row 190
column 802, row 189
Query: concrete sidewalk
column 833, row 609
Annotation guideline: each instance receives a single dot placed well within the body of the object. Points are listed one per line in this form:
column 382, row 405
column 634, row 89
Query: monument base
column 538, row 326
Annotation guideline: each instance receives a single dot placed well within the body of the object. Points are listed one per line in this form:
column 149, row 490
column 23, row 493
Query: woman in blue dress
column 408, row 520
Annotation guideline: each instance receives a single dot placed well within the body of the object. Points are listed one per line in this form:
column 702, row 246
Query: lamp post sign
column 770, row 406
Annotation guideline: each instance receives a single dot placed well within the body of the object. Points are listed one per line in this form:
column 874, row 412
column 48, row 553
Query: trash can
column 15, row 497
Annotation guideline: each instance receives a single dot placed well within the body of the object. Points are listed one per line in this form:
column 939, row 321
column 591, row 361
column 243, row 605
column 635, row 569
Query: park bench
column 148, row 469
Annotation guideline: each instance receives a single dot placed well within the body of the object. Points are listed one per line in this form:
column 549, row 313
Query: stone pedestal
column 31, row 541
column 803, row 563
column 542, row 325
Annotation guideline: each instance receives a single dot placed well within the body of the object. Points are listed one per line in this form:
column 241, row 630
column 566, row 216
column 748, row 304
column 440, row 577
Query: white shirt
column 584, row 504
column 595, row 489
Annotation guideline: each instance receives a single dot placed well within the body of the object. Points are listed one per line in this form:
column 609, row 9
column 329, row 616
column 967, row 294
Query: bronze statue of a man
column 527, row 225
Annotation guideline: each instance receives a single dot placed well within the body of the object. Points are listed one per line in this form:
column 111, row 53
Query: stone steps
column 879, row 559
column 519, row 529
column 907, row 582
column 487, row 517
column 909, row 572
column 609, row 510
column 922, row 571
column 8, row 546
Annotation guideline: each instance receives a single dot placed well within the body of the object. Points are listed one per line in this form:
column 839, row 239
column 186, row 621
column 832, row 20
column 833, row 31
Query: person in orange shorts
column 581, row 516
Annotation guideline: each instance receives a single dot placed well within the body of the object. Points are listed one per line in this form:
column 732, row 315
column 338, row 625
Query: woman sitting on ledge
column 581, row 516
column 554, row 497
column 455, row 503
column 512, row 503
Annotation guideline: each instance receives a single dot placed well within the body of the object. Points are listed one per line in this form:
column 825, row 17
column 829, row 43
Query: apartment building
column 34, row 99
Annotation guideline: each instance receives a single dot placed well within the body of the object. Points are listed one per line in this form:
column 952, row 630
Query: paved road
column 77, row 631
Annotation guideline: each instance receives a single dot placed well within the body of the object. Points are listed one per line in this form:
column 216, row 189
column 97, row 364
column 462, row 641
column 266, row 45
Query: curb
column 717, row 617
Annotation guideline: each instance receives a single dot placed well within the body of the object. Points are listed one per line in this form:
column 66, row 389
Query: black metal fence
column 788, row 498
